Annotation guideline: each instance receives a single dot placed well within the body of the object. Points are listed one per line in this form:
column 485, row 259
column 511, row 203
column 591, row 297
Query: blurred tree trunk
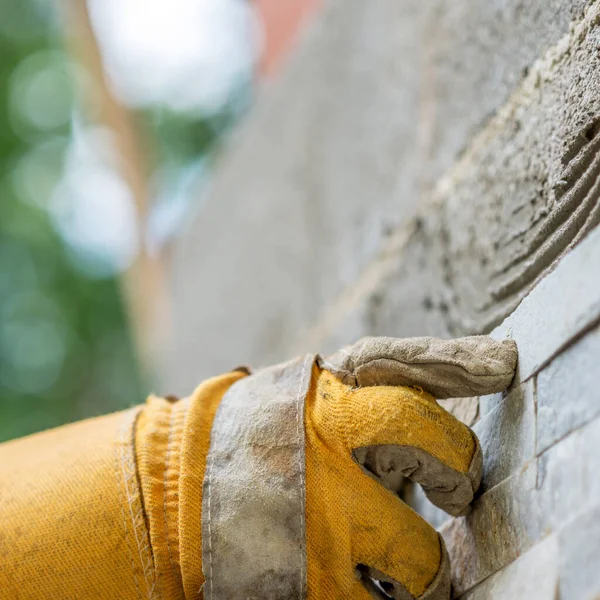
column 143, row 283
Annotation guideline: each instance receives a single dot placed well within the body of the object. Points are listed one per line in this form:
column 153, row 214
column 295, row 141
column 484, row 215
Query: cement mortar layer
column 533, row 192
column 335, row 155
column 479, row 53
column 301, row 192
column 525, row 192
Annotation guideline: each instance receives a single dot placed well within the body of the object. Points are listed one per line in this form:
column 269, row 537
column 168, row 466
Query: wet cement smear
column 545, row 225
column 533, row 193
column 575, row 212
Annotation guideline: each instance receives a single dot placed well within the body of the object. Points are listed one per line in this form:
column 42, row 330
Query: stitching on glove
column 210, row 553
column 118, row 446
column 431, row 363
column 299, row 400
column 167, row 459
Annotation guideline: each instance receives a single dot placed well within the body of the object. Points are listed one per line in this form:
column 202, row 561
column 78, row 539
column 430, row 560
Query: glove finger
column 398, row 432
column 468, row 366
column 447, row 488
column 397, row 554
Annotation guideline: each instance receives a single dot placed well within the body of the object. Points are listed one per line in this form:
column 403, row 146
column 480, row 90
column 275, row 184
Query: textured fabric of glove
column 109, row 507
column 116, row 507
column 372, row 531
column 363, row 433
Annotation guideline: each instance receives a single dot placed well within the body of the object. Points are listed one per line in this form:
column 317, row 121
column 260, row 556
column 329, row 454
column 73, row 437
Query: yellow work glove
column 276, row 485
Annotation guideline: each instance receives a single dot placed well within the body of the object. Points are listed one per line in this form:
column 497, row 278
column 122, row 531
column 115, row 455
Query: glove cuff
column 253, row 507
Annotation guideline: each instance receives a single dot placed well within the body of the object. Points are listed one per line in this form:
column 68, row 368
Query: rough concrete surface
column 377, row 101
column 479, row 54
column 526, row 192
column 304, row 191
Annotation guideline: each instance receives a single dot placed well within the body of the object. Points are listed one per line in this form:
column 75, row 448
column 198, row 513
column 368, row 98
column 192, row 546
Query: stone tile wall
column 429, row 168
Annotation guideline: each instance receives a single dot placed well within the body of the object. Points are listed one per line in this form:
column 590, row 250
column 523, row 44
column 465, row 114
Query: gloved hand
column 276, row 485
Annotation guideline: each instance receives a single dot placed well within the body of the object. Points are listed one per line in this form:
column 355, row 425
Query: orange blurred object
column 281, row 22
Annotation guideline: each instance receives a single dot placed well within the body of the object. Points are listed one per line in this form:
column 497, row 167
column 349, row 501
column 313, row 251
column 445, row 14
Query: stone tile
column 568, row 480
column 464, row 409
column 568, row 390
column 564, row 565
column 532, row 576
column 564, row 304
column 488, row 403
column 579, row 544
column 536, row 501
column 505, row 522
column 507, row 435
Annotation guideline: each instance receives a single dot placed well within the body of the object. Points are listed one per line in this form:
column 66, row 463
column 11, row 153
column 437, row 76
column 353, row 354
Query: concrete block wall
column 429, row 169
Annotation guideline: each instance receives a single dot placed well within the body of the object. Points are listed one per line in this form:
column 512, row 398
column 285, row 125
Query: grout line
column 568, row 434
column 589, row 508
column 587, row 328
column 534, row 391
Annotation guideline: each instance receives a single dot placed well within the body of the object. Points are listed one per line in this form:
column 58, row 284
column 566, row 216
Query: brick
column 533, row 575
column 568, row 392
column 507, row 435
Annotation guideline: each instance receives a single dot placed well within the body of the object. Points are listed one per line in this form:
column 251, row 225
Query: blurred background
column 191, row 185
column 112, row 114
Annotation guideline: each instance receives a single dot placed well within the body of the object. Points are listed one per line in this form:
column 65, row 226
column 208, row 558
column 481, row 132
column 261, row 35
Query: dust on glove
column 282, row 484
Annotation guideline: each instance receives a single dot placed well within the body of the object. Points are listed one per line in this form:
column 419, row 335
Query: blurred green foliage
column 65, row 350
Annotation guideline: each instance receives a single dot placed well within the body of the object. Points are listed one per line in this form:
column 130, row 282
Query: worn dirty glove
column 276, row 485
